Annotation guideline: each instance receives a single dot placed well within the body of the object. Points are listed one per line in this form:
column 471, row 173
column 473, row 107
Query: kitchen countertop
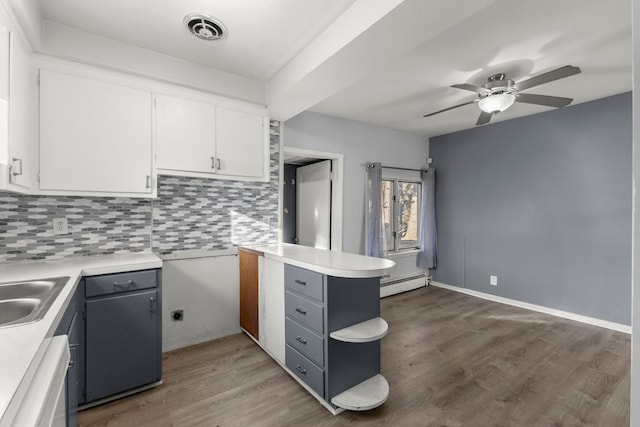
column 21, row 345
column 333, row 263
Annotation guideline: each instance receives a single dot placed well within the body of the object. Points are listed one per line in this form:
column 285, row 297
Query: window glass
column 408, row 199
column 400, row 214
column 387, row 215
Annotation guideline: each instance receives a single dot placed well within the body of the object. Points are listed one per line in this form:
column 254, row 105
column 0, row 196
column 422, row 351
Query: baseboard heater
column 403, row 284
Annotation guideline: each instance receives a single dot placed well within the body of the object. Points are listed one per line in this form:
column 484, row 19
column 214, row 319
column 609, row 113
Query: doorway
column 313, row 165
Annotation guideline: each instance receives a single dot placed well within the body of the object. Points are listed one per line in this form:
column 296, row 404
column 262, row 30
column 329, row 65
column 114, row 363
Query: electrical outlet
column 493, row 280
column 60, row 226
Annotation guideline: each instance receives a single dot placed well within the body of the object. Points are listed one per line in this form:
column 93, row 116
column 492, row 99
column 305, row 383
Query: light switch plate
column 60, row 226
column 493, row 280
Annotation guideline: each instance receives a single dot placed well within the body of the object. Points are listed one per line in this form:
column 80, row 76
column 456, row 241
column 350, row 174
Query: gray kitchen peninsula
column 317, row 313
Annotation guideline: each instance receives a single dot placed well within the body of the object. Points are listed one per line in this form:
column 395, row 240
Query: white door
column 313, row 205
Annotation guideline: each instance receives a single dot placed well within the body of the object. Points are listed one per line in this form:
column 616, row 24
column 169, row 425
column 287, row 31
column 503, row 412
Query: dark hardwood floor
column 450, row 360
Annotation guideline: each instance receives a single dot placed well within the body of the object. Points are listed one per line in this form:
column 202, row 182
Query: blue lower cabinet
column 123, row 333
column 70, row 325
column 305, row 369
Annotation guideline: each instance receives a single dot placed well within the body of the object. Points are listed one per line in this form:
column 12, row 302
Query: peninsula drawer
column 305, row 369
column 304, row 281
column 305, row 341
column 120, row 282
column 304, row 311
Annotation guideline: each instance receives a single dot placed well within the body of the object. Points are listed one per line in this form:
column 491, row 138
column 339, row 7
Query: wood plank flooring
column 450, row 360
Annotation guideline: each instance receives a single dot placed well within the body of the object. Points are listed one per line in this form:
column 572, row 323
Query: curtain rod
column 370, row 165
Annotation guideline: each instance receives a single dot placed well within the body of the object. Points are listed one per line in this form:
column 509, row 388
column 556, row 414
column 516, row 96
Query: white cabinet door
column 240, row 143
column 95, row 136
column 185, row 135
column 271, row 307
column 23, row 136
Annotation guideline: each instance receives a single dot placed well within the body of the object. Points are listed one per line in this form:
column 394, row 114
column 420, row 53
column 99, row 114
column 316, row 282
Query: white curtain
column 373, row 244
column 428, row 256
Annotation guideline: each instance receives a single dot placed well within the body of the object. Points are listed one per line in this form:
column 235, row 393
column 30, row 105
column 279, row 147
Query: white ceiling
column 263, row 35
column 385, row 62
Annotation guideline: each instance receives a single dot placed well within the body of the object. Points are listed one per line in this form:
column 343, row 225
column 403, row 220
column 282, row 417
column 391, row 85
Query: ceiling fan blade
column 546, row 100
column 558, row 73
column 450, row 108
column 471, row 88
column 484, row 118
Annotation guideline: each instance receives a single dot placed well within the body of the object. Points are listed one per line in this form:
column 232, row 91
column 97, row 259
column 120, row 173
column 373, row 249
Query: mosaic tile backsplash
column 189, row 213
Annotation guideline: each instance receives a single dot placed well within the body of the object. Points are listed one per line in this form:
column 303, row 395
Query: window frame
column 395, row 247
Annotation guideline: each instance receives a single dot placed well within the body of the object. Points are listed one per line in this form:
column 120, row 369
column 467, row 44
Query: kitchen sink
column 28, row 301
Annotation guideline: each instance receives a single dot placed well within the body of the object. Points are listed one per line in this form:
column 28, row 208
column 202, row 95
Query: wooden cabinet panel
column 249, row 291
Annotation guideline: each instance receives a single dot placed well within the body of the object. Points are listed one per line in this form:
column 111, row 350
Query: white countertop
column 333, row 263
column 21, row 344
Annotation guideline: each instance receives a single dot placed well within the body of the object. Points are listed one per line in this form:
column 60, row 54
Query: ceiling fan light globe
column 496, row 103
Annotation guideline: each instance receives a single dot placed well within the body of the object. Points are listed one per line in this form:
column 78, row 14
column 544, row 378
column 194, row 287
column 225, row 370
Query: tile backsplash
column 189, row 213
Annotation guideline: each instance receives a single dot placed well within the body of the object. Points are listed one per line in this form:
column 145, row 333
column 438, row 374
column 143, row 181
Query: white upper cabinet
column 95, row 135
column 240, row 148
column 185, row 132
column 198, row 137
column 18, row 106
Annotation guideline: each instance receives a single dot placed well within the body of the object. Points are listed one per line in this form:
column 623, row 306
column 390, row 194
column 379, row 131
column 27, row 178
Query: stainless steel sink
column 28, row 301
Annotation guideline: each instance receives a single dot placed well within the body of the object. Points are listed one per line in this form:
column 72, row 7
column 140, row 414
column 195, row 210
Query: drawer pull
column 301, row 311
column 301, row 340
column 301, row 370
column 126, row 284
column 301, row 282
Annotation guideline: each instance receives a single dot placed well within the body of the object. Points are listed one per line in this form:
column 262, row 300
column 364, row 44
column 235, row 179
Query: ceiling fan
column 499, row 93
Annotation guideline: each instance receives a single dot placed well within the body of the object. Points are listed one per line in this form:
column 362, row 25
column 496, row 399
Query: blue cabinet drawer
column 306, row 342
column 305, row 369
column 304, row 281
column 304, row 311
column 120, row 282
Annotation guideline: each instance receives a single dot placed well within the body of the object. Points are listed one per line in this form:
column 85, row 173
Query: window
column 400, row 214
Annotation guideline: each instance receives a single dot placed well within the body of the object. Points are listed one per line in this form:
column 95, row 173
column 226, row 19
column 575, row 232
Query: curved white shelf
column 364, row 396
column 367, row 331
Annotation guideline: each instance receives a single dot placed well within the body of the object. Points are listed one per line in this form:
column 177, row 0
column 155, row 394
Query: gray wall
column 359, row 143
column 635, row 339
column 544, row 203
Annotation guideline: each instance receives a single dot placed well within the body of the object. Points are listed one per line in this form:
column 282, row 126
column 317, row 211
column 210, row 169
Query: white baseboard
column 407, row 285
column 565, row 314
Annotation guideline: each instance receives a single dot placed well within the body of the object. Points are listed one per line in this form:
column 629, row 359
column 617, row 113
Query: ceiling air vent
column 204, row 26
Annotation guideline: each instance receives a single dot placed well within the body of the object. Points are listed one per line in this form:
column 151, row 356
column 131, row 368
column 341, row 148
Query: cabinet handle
column 126, row 284
column 301, row 282
column 301, row 311
column 148, row 181
column 16, row 166
column 152, row 302
column 301, row 340
column 218, row 163
column 73, row 355
column 213, row 162
column 301, row 370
